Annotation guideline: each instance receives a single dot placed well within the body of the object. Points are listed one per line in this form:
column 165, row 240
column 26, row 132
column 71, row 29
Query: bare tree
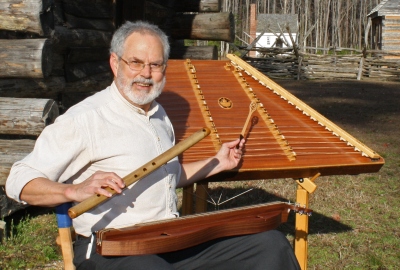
column 322, row 23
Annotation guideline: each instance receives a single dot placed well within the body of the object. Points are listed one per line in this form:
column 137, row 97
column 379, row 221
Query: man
column 110, row 134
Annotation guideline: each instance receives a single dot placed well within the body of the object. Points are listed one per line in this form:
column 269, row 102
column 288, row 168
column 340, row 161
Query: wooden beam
column 53, row 86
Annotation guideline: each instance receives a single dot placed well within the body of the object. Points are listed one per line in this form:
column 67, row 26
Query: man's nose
column 146, row 71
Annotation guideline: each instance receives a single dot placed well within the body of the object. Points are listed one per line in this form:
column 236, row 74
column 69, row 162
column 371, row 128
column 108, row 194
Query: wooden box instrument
column 285, row 138
column 175, row 234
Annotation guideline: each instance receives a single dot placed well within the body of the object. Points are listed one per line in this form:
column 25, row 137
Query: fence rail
column 338, row 63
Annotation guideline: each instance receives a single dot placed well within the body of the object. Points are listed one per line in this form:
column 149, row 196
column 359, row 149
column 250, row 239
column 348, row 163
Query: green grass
column 356, row 219
column 30, row 243
column 366, row 236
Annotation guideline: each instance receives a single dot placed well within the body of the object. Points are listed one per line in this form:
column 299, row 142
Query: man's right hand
column 44, row 192
column 95, row 184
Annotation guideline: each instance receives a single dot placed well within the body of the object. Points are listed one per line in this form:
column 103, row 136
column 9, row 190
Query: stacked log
column 276, row 65
column 21, row 121
column 357, row 66
column 382, row 69
column 34, row 16
column 330, row 66
column 45, row 45
column 187, row 19
column 48, row 47
column 29, row 58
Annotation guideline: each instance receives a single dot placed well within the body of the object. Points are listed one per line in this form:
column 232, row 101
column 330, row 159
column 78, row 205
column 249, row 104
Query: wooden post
column 305, row 187
column 360, row 68
column 65, row 235
column 2, row 230
column 300, row 244
column 187, row 200
column 201, row 197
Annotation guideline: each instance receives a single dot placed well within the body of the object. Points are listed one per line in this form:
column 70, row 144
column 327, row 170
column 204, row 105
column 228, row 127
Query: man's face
column 140, row 87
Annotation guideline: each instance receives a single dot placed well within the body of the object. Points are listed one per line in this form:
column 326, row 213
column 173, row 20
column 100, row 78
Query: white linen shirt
column 106, row 133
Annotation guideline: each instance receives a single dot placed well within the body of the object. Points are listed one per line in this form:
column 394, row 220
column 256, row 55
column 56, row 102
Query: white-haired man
column 115, row 131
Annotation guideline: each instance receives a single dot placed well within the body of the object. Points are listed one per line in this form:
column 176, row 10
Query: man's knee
column 272, row 238
column 280, row 252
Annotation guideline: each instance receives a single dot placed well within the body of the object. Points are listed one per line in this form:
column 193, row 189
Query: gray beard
column 140, row 97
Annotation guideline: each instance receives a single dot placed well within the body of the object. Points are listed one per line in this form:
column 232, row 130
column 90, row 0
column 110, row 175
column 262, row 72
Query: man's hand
column 95, row 184
column 227, row 158
column 230, row 154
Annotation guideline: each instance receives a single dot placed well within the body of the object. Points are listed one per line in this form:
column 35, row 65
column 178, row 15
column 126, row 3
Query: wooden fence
column 358, row 65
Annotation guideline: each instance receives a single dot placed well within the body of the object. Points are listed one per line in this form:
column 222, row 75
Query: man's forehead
column 147, row 43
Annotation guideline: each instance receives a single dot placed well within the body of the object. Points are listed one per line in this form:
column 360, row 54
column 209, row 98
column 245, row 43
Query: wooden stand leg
column 305, row 187
column 65, row 235
column 300, row 242
column 187, row 200
column 66, row 248
column 201, row 197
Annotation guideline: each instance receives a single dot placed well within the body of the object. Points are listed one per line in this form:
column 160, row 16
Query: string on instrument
column 218, row 203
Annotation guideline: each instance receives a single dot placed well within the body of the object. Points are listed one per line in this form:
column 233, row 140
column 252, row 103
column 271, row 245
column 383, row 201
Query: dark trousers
column 267, row 250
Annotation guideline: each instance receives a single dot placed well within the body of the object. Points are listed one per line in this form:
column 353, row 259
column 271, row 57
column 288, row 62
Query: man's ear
column 114, row 63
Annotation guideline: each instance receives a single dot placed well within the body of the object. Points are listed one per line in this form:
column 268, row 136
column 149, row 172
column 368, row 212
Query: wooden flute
column 141, row 172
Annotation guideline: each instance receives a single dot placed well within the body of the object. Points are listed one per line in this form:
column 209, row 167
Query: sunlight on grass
column 30, row 243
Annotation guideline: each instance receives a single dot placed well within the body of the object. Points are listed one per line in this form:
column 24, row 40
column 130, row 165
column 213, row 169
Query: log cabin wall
column 385, row 19
column 63, row 47
column 56, row 52
column 391, row 34
column 186, row 19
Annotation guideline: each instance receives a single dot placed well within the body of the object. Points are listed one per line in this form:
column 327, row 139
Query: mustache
column 142, row 80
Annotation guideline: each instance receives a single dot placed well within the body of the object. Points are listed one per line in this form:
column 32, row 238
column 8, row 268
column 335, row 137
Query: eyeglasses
column 138, row 66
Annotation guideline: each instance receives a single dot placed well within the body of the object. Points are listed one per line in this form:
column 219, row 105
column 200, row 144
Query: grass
column 30, row 243
column 356, row 219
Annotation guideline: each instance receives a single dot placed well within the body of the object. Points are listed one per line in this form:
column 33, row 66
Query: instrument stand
column 305, row 186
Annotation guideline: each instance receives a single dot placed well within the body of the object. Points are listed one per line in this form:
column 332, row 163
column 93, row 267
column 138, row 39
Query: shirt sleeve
column 60, row 152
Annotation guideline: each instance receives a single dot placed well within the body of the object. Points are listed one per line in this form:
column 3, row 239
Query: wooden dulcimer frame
column 175, row 234
column 288, row 139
